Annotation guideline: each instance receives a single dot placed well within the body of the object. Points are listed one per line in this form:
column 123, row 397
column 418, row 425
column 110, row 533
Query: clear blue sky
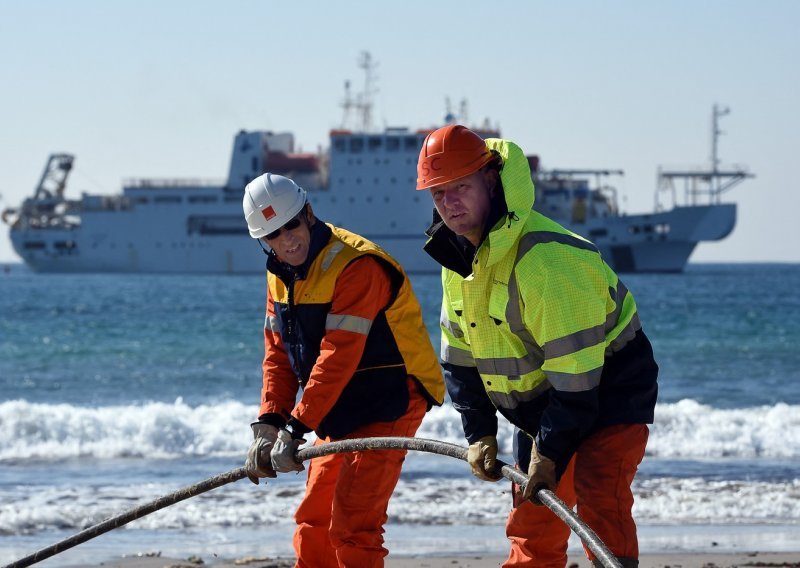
column 159, row 88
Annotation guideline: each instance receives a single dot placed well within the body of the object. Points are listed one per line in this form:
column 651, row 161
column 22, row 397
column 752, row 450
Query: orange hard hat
column 450, row 153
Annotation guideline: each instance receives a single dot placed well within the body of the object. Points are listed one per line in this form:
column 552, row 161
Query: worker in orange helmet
column 342, row 324
column 536, row 326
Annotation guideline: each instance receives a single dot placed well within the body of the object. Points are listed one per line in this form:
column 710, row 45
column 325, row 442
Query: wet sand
column 676, row 560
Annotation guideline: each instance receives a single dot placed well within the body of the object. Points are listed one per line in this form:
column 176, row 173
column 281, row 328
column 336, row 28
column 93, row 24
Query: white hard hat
column 270, row 201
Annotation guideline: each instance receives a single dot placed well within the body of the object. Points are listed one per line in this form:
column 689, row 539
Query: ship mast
column 716, row 113
column 362, row 103
column 711, row 183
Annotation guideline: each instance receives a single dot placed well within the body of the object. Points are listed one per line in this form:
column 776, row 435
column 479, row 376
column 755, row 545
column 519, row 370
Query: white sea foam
column 685, row 429
column 428, row 501
column 688, row 429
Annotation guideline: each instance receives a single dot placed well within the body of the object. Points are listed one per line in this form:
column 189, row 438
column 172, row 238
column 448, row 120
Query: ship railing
column 178, row 183
column 102, row 203
column 45, row 222
column 701, row 186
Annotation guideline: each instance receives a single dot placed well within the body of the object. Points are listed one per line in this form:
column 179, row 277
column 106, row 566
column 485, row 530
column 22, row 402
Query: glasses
column 290, row 225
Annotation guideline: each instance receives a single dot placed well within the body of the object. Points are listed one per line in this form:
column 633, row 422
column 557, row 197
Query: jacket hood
column 518, row 191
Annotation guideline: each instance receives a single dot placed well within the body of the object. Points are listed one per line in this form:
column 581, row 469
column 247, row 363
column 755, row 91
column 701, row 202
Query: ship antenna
column 716, row 113
column 463, row 112
column 347, row 104
column 364, row 103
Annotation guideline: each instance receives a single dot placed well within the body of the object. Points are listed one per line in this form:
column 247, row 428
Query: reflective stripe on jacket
column 395, row 343
column 538, row 318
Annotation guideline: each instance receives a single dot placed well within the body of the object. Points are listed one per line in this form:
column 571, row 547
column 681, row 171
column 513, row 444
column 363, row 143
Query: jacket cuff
column 273, row 419
column 473, row 435
column 296, row 428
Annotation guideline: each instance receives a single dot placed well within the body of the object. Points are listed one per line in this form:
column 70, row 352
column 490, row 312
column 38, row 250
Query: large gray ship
column 364, row 181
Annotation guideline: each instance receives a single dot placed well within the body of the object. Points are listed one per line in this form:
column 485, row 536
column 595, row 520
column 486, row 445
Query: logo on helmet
column 428, row 167
column 268, row 213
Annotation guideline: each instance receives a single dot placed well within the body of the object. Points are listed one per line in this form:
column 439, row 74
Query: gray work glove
column 482, row 458
column 541, row 475
column 258, row 463
column 283, row 453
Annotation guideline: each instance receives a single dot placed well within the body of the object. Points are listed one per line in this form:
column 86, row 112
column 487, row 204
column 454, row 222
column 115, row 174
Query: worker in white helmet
column 343, row 325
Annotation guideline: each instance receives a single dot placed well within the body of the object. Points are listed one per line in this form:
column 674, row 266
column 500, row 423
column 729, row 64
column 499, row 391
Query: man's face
column 464, row 204
column 292, row 244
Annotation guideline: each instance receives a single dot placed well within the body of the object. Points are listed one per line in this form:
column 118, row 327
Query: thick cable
column 547, row 497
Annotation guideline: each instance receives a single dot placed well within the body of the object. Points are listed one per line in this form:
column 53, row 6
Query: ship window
column 662, row 228
column 233, row 199
column 168, row 199
column 141, row 200
column 64, row 245
column 392, row 144
column 202, row 199
column 338, row 144
column 374, row 143
column 356, row 145
column 595, row 233
column 411, row 143
column 33, row 245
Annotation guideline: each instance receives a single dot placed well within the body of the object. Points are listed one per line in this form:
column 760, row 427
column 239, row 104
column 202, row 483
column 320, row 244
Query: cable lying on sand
column 547, row 497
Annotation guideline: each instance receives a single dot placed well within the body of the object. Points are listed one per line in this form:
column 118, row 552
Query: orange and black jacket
column 347, row 329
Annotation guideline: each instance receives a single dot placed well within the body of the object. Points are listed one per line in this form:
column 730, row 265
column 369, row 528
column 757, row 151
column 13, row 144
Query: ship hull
column 657, row 242
column 134, row 241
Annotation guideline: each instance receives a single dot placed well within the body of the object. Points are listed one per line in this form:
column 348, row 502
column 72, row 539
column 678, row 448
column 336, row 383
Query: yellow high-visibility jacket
column 539, row 327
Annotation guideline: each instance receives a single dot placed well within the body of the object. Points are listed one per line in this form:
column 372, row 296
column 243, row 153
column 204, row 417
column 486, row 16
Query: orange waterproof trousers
column 598, row 479
column 340, row 520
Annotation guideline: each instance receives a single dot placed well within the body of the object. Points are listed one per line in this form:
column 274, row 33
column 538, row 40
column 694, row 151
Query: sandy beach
column 676, row 560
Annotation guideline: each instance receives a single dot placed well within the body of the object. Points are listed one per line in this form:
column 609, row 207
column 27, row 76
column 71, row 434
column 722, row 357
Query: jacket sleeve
column 362, row 290
column 464, row 383
column 279, row 389
column 565, row 311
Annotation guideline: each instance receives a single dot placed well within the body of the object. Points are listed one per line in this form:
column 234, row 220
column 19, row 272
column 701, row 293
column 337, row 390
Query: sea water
column 118, row 389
